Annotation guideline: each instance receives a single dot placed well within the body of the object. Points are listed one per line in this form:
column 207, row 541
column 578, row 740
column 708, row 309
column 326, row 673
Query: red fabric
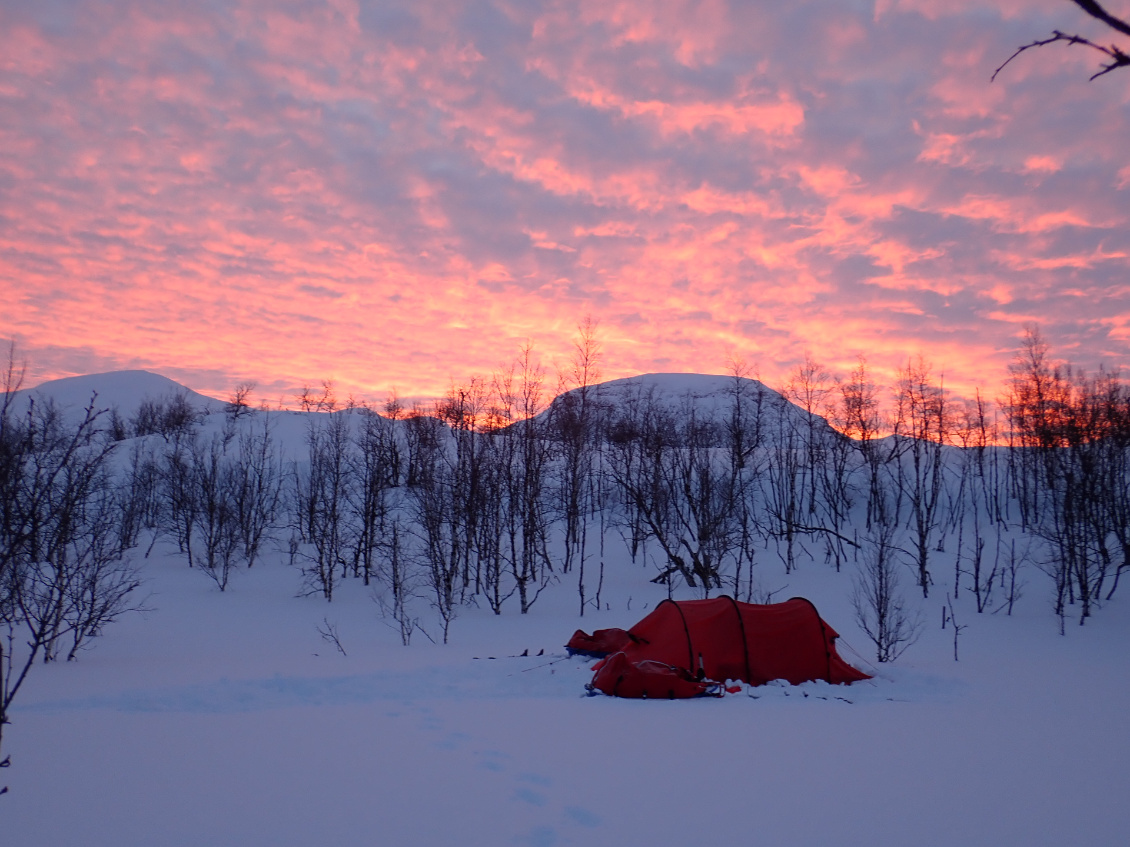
column 740, row 641
column 599, row 644
column 619, row 676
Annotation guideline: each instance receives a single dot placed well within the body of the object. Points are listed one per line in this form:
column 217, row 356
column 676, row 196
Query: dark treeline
column 504, row 486
column 508, row 485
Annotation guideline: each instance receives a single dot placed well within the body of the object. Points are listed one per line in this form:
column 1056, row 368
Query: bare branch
column 1118, row 57
column 329, row 634
column 1098, row 12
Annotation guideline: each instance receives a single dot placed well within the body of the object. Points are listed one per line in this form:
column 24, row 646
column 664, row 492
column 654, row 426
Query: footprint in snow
column 528, row 795
column 582, row 816
column 492, row 760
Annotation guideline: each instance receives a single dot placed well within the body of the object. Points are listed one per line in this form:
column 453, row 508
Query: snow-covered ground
column 228, row 719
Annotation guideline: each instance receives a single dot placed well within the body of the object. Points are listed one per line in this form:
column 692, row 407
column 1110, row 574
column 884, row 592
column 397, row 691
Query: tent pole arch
column 741, row 626
column 823, row 637
column 686, row 630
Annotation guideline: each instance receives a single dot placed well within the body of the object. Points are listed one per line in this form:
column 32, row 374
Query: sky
column 396, row 195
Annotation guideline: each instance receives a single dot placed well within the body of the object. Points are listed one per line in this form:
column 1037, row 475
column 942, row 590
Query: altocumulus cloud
column 281, row 185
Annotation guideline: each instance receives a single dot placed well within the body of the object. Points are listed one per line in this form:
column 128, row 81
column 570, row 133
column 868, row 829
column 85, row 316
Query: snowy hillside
column 124, row 391
column 710, row 397
column 266, row 714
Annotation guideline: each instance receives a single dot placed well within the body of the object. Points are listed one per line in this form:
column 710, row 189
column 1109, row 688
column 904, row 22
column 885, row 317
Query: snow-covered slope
column 709, row 397
column 232, row 719
column 227, row 720
column 120, row 390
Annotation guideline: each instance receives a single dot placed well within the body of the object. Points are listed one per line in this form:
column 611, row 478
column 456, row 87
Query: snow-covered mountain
column 708, row 397
column 123, row 391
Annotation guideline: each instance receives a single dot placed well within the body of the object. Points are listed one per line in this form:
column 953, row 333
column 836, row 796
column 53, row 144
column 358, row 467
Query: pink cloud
column 392, row 194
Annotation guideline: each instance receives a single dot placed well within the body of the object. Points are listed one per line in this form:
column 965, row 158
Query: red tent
column 681, row 645
column 599, row 644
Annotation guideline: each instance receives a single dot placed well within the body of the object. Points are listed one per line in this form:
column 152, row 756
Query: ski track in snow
column 510, row 780
column 529, row 677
